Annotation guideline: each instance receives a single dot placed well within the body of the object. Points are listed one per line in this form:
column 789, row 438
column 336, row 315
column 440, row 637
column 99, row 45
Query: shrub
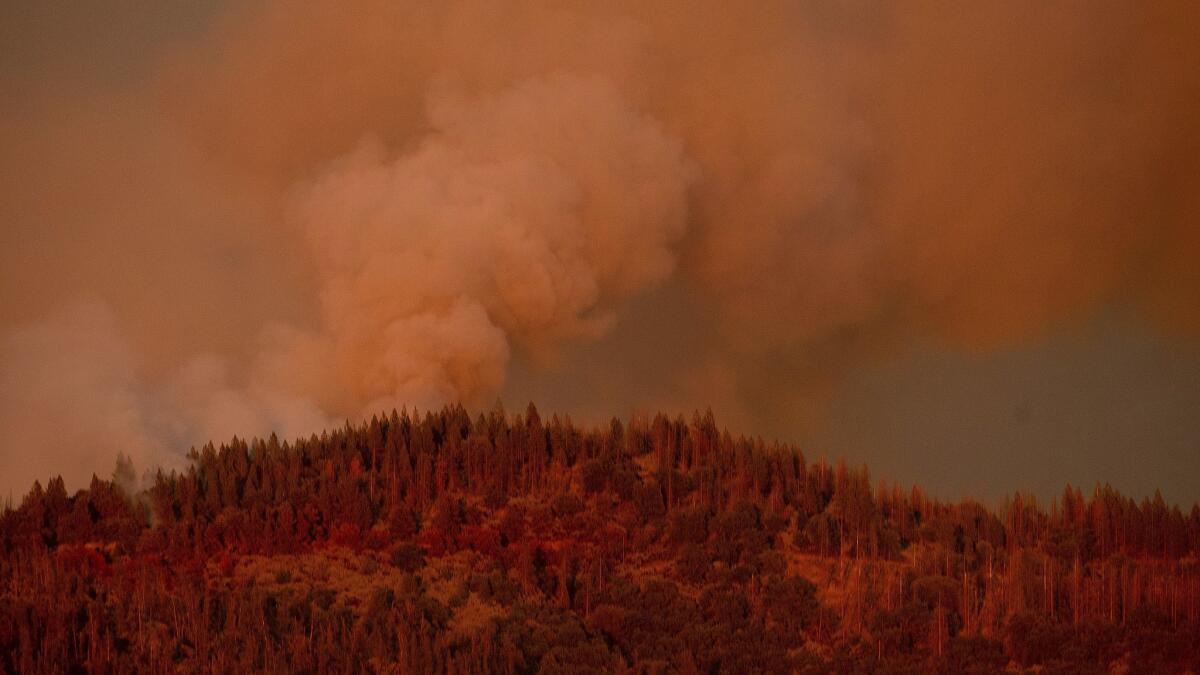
column 407, row 556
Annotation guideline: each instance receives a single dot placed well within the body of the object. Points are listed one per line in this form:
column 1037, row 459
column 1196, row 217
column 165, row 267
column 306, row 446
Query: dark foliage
column 442, row 543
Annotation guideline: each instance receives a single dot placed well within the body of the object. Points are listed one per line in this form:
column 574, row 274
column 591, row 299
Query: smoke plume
column 298, row 213
column 524, row 218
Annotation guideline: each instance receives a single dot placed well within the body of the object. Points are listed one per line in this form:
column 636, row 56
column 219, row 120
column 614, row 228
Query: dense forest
column 442, row 543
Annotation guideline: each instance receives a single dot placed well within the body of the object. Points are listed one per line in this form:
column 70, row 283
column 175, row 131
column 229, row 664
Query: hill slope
column 442, row 543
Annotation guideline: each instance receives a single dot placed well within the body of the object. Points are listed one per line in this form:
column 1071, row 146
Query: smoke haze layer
column 288, row 214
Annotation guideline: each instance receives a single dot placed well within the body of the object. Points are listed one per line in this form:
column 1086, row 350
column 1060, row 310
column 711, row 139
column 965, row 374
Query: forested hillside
column 440, row 542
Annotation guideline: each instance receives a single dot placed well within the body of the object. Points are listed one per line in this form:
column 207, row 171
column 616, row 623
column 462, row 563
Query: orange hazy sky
column 957, row 244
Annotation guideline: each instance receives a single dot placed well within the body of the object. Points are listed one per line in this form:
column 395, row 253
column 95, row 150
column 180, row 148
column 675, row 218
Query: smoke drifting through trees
column 342, row 206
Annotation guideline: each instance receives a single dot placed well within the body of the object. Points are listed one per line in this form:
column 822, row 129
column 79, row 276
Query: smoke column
column 302, row 213
column 521, row 218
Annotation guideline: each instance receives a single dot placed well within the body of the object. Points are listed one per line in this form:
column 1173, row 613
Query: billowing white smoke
column 66, row 385
column 72, row 399
column 522, row 219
